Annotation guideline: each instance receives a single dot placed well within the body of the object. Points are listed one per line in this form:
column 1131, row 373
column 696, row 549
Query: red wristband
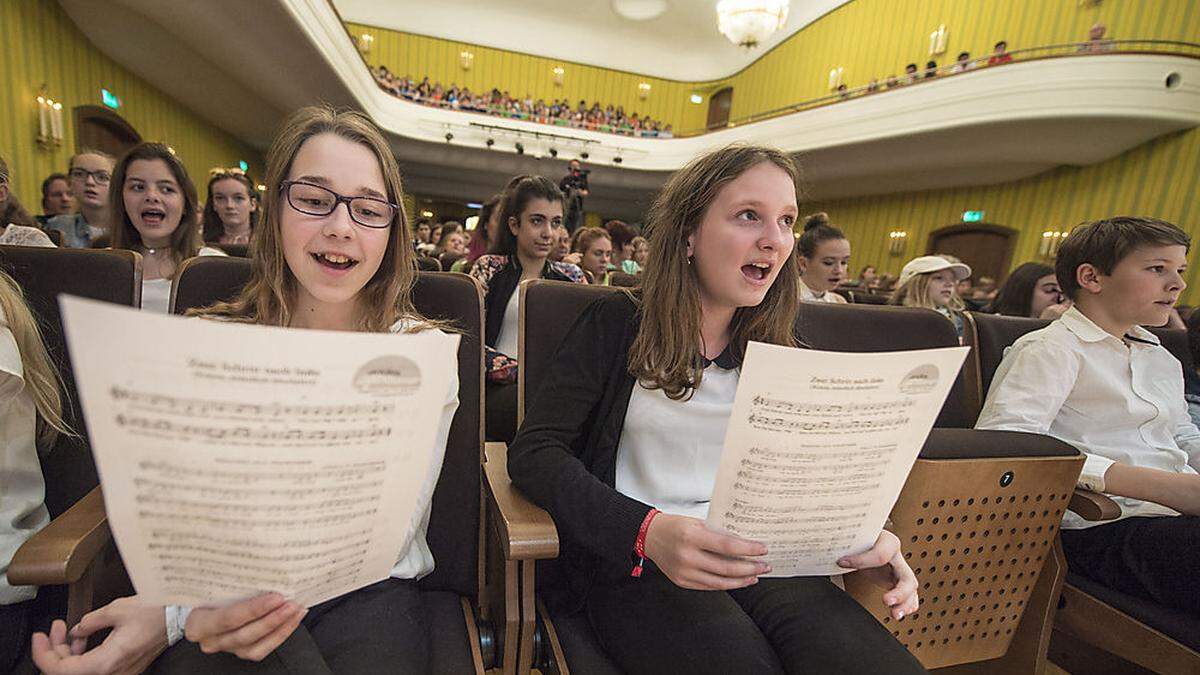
column 639, row 544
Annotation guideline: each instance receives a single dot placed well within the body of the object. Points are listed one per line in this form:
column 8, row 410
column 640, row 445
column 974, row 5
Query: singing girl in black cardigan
column 621, row 445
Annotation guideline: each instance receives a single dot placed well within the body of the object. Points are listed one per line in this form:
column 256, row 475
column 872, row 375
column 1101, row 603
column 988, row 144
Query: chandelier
column 748, row 22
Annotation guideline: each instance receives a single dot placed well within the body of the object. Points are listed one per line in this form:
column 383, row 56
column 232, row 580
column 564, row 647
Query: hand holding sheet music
column 819, row 445
column 237, row 459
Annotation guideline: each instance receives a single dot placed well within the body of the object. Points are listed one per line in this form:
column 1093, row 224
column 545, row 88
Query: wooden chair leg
column 528, row 617
column 558, row 661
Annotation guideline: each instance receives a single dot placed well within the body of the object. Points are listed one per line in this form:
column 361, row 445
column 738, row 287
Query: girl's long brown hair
column 269, row 295
column 666, row 352
column 41, row 377
column 185, row 240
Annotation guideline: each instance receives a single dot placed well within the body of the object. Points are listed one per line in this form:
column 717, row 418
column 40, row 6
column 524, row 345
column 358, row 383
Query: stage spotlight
column 616, row 160
column 583, row 155
column 449, row 136
column 520, row 149
column 491, row 142
column 553, row 152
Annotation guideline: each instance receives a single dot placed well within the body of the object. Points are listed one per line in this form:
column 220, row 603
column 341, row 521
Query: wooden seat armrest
column 62, row 551
column 526, row 530
column 1093, row 505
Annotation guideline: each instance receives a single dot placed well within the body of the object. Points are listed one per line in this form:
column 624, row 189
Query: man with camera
column 575, row 187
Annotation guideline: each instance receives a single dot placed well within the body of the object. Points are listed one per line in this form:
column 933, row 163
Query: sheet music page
column 819, row 446
column 239, row 459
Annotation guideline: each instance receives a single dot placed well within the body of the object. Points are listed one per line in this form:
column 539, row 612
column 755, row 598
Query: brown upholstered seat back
column 44, row 274
column 453, row 533
column 548, row 310
column 865, row 328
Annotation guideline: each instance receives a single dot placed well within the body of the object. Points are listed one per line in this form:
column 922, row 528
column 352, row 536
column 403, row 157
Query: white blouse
column 22, row 487
column 156, row 293
column 670, row 450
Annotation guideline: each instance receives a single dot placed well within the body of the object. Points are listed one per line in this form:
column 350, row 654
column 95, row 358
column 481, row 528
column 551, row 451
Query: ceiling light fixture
column 640, row 10
column 747, row 23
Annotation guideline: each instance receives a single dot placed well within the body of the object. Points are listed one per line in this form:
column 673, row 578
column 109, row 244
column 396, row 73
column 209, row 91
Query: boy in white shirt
column 1099, row 381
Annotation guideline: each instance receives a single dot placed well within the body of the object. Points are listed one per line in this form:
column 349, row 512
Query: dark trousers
column 500, row 411
column 377, row 629
column 1153, row 558
column 16, row 630
column 784, row 625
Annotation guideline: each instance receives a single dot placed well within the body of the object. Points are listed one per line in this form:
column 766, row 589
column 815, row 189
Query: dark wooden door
column 719, row 105
column 987, row 249
column 101, row 129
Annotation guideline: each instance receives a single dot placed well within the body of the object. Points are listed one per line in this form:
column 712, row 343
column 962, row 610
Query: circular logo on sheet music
column 920, row 380
column 388, row 376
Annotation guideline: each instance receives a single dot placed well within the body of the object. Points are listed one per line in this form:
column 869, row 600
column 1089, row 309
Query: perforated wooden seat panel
column 976, row 533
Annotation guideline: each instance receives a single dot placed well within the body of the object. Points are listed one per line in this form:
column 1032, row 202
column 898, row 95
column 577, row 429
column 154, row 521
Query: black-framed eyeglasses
column 101, row 177
column 315, row 200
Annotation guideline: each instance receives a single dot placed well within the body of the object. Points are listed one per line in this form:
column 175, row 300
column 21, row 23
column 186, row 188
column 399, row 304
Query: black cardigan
column 500, row 289
column 564, row 456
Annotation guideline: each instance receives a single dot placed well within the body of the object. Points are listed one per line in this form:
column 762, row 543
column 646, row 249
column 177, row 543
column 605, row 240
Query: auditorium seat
column 624, row 279
column 235, row 250
column 1092, row 618
column 962, row 477
column 465, row 601
column 68, row 468
column 862, row 328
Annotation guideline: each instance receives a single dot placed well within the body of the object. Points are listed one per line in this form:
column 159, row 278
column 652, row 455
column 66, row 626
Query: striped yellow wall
column 1157, row 179
column 39, row 44
column 876, row 38
column 418, row 56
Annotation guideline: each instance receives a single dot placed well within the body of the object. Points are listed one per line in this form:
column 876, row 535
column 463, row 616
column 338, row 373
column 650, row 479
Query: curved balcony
column 248, row 63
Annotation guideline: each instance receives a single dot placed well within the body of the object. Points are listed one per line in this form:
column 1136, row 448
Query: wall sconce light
column 261, row 187
column 696, row 99
column 643, row 90
column 50, row 120
column 427, row 214
column 897, row 241
column 937, row 41
column 835, row 78
column 559, row 73
column 465, row 59
column 364, row 42
column 1051, row 240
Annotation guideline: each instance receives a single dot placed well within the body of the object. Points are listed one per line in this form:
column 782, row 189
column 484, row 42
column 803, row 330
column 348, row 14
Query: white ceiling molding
column 682, row 43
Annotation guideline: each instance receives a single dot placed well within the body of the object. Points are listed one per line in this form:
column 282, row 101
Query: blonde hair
column 41, row 377
column 665, row 353
column 270, row 292
column 915, row 293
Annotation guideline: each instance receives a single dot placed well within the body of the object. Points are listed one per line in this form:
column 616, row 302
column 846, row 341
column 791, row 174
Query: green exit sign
column 243, row 166
column 972, row 216
column 110, row 99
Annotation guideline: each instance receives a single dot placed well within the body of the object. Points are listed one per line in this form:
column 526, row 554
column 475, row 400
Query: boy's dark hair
column 1104, row 243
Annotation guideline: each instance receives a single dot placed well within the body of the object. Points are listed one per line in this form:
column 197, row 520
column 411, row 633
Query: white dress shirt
column 1115, row 400
column 807, row 295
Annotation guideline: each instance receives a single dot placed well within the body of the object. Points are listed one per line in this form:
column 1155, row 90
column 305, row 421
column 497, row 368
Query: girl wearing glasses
column 315, row 265
column 231, row 209
column 153, row 211
column 529, row 216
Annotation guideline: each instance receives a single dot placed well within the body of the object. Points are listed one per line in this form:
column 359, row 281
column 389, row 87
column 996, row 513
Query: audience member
column 231, row 209
column 641, row 251
column 56, row 197
column 963, row 63
column 622, row 439
column 873, row 86
column 824, row 260
column 985, row 289
column 90, row 172
column 11, row 210
column 153, row 209
column 453, row 241
column 529, row 213
column 1000, row 54
column 891, row 82
column 30, row 418
column 380, row 628
column 1097, row 43
column 910, row 74
column 931, row 282
column 931, row 69
column 866, row 276
column 575, row 187
column 561, row 249
column 622, row 235
column 1191, row 376
column 1029, row 291
column 484, row 234
column 594, row 246
column 1099, row 381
